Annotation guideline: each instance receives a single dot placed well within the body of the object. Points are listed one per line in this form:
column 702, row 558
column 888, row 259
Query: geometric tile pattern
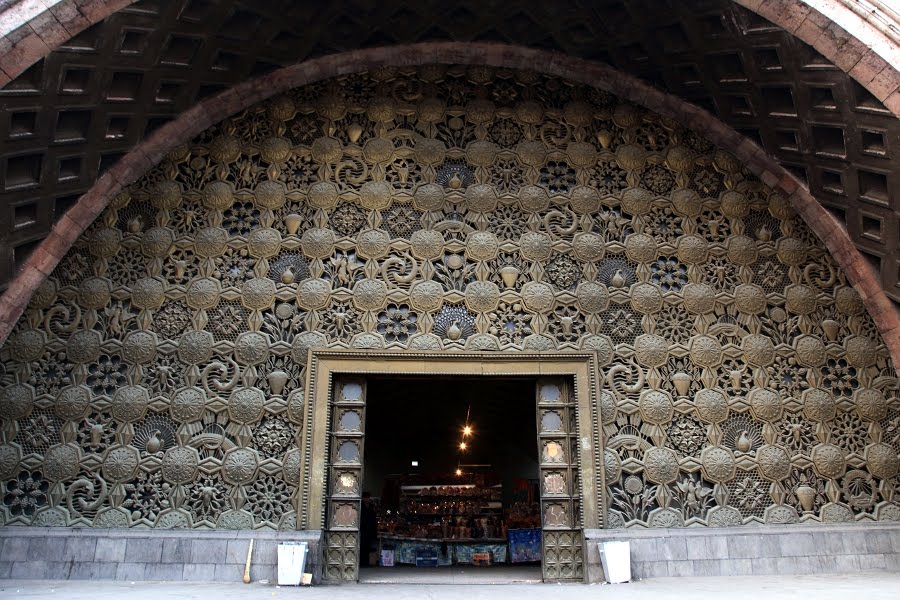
column 71, row 115
column 156, row 379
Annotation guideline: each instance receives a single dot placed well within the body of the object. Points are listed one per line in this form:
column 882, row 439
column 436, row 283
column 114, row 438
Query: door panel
column 344, row 491
column 563, row 555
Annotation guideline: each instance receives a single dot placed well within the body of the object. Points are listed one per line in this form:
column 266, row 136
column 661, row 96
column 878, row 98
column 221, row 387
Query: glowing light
column 463, row 445
column 467, row 430
column 458, row 472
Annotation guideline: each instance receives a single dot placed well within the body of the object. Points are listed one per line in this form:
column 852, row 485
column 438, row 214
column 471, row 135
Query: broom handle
column 247, row 566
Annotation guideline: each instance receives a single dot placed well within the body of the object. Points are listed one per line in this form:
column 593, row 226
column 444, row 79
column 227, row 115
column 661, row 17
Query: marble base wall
column 148, row 555
column 763, row 550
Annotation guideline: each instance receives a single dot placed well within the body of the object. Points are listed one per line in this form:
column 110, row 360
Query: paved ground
column 868, row 586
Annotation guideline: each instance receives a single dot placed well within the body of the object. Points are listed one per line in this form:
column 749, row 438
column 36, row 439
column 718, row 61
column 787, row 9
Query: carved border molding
column 323, row 365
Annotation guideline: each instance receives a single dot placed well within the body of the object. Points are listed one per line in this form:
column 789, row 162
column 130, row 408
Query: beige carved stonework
column 158, row 377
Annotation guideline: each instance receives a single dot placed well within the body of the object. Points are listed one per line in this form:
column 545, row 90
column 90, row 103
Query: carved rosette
column 742, row 250
column 426, row 296
column 239, row 466
column 94, row 293
column 705, row 351
column 28, row 345
column 750, row 299
column 641, row 248
column 848, row 302
column 218, row 195
column 61, row 462
column 16, row 401
column 800, row 300
column 882, row 461
column 323, row 194
column 646, row 298
column 592, row 297
column 72, row 403
column 83, row 347
column 538, row 297
column 819, row 405
column 656, row 407
column 712, row 406
column 718, row 464
column 9, row 461
column 314, row 294
column 699, row 298
column 373, row 243
column 258, row 294
column 304, row 342
column 765, row 404
column 482, row 296
column 129, row 404
column 429, row 197
column 810, row 350
column 264, row 243
column 203, row 293
column 534, row 199
column 661, row 465
column 535, row 245
column 188, row 404
column 482, row 245
column 871, row 405
column 317, row 242
column 369, row 294
column 774, row 462
column 427, row 244
column 180, row 464
column 120, row 463
column 861, row 351
column 651, row 350
column 139, row 347
column 829, row 461
column 245, row 405
column 157, row 242
column 375, row 195
column 148, row 293
column 210, row 242
column 759, row 350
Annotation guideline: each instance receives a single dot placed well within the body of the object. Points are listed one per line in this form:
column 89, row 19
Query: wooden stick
column 247, row 566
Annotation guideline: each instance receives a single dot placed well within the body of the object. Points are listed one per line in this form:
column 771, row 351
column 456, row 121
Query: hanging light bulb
column 458, row 472
column 463, row 445
column 467, row 430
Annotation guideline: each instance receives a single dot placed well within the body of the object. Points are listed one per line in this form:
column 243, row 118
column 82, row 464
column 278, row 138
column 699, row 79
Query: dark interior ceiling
column 73, row 114
column 421, row 418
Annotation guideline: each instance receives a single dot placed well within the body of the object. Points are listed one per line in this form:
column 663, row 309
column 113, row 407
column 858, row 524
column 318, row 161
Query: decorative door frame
column 324, row 366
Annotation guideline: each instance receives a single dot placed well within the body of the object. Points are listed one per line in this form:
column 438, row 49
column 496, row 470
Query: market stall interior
column 451, row 478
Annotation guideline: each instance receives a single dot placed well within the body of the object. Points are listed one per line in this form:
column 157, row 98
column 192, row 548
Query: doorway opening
column 451, row 481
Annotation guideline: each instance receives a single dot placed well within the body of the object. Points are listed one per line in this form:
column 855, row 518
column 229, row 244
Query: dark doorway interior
column 421, row 420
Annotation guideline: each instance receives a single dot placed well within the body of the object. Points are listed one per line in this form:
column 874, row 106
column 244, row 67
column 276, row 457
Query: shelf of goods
column 446, row 524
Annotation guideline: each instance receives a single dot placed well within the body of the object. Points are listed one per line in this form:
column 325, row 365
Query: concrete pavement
column 861, row 586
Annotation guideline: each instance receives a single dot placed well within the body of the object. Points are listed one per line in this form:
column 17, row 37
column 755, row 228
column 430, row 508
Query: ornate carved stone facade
column 157, row 378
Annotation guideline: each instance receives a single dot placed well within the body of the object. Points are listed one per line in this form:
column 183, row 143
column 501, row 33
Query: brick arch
column 207, row 113
column 31, row 29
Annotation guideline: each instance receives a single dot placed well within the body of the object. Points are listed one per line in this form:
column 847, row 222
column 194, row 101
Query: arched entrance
column 511, row 213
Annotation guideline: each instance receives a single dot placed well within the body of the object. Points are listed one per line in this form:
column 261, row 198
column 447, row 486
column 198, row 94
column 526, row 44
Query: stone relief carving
column 156, row 378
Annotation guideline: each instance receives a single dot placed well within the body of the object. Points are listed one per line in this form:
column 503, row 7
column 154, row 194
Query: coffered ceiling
column 73, row 114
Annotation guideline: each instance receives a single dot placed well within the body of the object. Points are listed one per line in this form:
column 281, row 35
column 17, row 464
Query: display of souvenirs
column 463, row 523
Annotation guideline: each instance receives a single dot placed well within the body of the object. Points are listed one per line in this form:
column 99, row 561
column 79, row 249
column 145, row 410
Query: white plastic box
column 291, row 562
column 616, row 560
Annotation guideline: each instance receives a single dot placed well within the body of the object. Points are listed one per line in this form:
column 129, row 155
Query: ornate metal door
column 558, row 452
column 347, row 426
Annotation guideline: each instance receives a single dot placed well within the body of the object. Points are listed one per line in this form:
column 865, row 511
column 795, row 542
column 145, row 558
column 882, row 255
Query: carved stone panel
column 157, row 378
